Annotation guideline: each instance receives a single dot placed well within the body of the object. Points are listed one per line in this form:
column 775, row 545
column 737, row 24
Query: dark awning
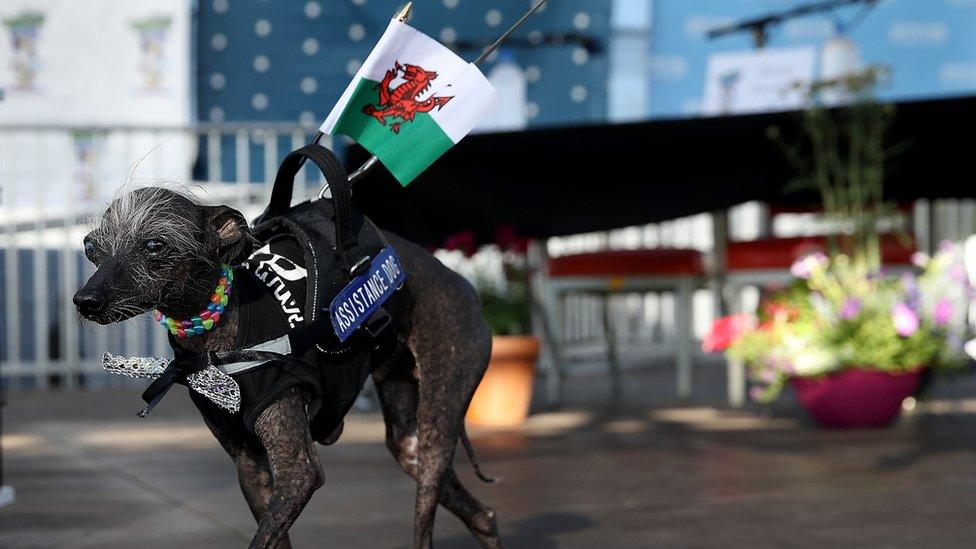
column 567, row 180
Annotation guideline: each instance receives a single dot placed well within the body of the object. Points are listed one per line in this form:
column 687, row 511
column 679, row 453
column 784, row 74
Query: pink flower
column 808, row 264
column 943, row 312
column 958, row 274
column 726, row 331
column 920, row 259
column 767, row 376
column 905, row 319
column 851, row 308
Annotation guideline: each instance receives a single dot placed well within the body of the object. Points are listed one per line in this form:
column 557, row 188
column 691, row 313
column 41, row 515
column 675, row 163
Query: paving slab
column 89, row 474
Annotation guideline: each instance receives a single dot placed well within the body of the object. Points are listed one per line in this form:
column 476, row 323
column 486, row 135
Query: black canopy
column 567, row 180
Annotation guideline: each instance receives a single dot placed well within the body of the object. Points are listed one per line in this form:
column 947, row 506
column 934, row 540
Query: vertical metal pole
column 932, row 232
column 213, row 156
column 736, row 383
column 41, row 294
column 554, row 379
column 11, row 267
column 242, row 157
column 270, row 162
column 6, row 492
column 69, row 278
column 720, row 244
column 543, row 315
column 613, row 359
column 683, row 335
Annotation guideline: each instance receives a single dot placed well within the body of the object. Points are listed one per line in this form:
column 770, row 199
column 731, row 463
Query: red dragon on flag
column 403, row 101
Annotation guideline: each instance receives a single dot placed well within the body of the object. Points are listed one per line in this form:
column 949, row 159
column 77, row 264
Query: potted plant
column 499, row 273
column 852, row 341
column 851, row 344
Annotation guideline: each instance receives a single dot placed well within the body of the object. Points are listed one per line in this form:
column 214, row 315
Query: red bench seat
column 780, row 253
column 647, row 262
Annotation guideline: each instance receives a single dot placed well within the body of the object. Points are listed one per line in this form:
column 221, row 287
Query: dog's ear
column 227, row 234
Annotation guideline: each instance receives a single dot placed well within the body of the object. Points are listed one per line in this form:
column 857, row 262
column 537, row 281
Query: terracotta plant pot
column 855, row 398
column 505, row 393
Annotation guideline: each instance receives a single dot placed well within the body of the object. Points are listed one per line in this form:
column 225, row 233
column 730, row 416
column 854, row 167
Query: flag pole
column 402, row 15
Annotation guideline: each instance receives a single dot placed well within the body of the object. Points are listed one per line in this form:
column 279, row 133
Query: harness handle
column 335, row 176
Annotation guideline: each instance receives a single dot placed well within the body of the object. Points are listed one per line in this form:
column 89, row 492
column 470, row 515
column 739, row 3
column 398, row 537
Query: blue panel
column 928, row 45
column 290, row 61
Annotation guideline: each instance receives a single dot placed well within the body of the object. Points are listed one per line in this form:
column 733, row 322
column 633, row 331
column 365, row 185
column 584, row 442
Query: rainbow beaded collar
column 207, row 317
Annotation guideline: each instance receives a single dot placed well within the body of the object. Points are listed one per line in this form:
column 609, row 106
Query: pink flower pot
column 855, row 398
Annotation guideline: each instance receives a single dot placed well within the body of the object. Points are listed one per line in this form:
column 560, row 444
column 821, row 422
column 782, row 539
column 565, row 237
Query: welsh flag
column 411, row 101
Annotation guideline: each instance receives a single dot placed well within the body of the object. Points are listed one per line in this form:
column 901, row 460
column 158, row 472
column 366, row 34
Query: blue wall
column 290, row 60
column 253, row 56
column 930, row 45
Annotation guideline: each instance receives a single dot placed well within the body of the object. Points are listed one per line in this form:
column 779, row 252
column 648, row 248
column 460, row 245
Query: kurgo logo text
column 274, row 270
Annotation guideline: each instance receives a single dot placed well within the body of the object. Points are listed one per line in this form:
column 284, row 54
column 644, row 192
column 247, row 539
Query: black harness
column 338, row 244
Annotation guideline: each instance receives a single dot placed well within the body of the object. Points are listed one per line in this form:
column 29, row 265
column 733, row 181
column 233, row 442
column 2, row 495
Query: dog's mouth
column 115, row 313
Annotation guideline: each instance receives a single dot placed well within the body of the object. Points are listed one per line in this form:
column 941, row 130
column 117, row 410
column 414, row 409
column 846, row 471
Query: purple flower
column 943, row 312
column 851, row 308
column 878, row 274
column 911, row 289
column 905, row 319
column 755, row 393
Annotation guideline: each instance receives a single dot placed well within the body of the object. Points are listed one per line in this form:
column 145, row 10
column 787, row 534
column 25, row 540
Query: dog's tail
column 469, row 449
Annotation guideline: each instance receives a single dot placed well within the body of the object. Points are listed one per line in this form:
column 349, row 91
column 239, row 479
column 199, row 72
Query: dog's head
column 156, row 248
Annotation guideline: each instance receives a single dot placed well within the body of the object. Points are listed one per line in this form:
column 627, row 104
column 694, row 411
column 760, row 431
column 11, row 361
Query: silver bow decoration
column 218, row 387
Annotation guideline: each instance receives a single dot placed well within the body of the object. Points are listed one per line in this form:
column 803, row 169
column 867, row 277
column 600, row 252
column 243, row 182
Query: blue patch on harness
column 366, row 293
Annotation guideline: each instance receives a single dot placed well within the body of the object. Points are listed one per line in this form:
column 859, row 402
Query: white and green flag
column 411, row 101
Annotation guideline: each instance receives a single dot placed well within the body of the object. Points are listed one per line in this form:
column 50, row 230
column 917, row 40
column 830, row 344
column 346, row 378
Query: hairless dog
column 155, row 248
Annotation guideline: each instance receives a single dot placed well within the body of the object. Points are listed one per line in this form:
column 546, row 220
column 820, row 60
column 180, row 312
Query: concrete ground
column 89, row 474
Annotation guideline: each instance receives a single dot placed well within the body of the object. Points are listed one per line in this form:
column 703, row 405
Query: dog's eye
column 90, row 250
column 154, row 246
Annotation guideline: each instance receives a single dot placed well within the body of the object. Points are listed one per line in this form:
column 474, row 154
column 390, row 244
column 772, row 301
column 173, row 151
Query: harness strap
column 335, row 177
column 300, row 341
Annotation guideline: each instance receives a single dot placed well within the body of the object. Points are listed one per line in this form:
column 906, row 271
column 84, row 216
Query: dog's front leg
column 295, row 468
column 253, row 471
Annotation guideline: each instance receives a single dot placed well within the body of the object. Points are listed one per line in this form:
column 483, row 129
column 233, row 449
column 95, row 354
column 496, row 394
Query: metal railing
column 643, row 322
column 53, row 179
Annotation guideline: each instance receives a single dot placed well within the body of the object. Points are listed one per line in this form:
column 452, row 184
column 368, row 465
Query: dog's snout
column 89, row 301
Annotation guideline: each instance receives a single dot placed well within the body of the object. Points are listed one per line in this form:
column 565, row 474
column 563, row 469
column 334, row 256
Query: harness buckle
column 378, row 322
column 360, row 266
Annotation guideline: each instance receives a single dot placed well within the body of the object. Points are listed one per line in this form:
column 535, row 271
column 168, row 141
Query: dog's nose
column 89, row 302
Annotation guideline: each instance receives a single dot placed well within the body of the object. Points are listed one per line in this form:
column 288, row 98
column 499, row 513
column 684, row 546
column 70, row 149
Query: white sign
column 751, row 81
column 77, row 70
column 97, row 62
